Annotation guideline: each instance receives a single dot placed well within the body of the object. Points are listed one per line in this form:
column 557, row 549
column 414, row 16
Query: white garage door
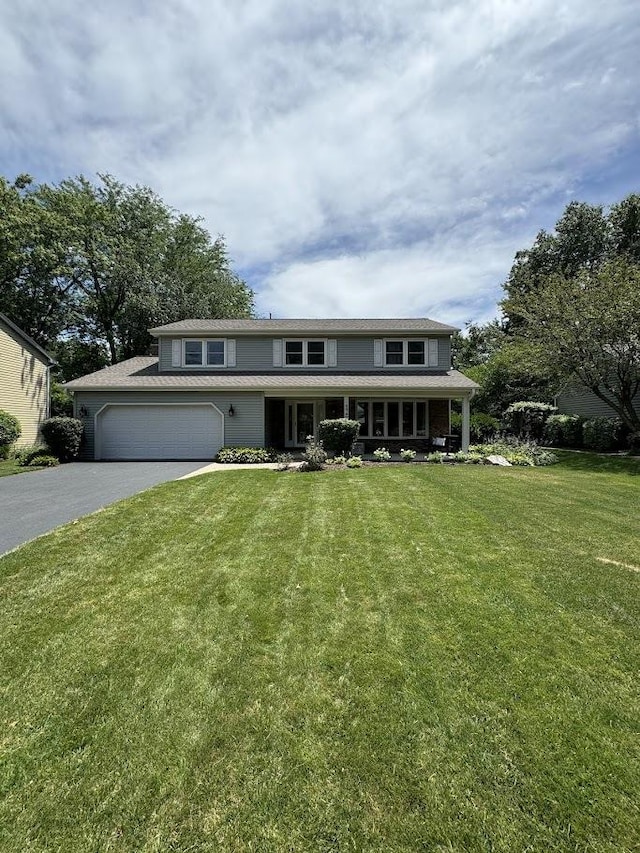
column 159, row 432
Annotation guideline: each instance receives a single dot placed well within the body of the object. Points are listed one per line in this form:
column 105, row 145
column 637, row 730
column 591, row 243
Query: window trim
column 405, row 351
column 399, row 402
column 305, row 352
column 203, row 353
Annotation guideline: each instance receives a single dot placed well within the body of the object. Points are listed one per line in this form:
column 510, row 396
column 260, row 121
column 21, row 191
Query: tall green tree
column 585, row 237
column 104, row 262
column 35, row 289
column 586, row 328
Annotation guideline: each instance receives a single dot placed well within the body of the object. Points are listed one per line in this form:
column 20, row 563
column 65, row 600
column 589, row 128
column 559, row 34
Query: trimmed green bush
column 63, row 437
column 245, row 455
column 563, row 431
column 10, row 432
column 602, row 434
column 338, row 435
column 527, row 418
column 481, row 425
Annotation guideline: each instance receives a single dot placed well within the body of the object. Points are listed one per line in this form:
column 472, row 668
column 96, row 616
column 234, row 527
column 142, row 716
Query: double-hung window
column 301, row 353
column 405, row 352
column 208, row 353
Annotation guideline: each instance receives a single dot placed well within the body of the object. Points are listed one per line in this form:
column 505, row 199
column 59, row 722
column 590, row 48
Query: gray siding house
column 267, row 383
column 577, row 400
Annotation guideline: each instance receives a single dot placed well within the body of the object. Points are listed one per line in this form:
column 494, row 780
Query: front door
column 300, row 422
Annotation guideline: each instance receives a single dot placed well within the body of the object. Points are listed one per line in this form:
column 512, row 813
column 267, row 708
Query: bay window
column 392, row 418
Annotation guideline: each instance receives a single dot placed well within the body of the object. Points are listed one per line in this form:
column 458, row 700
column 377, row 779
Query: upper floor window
column 405, row 352
column 305, row 353
column 199, row 353
column 410, row 352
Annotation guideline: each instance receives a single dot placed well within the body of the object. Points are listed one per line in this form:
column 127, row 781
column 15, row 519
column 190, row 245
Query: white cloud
column 348, row 149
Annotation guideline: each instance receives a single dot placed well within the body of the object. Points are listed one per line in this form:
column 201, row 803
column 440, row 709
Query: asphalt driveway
column 34, row 503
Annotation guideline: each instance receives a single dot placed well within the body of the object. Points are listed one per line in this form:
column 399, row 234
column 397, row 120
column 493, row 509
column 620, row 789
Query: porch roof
column 142, row 373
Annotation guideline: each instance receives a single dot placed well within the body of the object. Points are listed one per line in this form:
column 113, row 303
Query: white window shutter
column 176, row 352
column 277, row 352
column 433, row 352
column 377, row 353
column 231, row 352
column 332, row 353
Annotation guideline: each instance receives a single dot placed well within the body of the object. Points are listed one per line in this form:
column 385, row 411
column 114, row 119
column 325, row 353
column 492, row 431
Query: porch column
column 345, row 408
column 465, row 424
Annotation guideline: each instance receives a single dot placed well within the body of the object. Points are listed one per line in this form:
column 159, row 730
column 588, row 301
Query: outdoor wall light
column 232, row 411
column 83, row 411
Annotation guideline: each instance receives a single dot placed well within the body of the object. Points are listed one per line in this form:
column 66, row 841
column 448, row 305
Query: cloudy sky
column 369, row 158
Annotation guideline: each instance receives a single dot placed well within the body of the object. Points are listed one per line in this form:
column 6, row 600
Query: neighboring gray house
column 576, row 399
column 268, row 383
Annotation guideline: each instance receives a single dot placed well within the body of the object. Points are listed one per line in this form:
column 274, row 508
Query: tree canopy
column 573, row 303
column 90, row 267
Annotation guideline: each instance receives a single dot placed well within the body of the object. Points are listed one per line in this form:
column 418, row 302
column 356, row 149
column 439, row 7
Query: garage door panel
column 159, row 432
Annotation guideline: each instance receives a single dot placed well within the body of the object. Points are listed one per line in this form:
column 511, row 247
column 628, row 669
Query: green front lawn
column 10, row 466
column 401, row 659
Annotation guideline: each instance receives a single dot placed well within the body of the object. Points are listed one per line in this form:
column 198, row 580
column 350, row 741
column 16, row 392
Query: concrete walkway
column 236, row 466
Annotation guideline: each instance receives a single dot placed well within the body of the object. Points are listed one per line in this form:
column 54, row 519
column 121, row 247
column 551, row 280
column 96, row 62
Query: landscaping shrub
column 633, row 443
column 10, row 432
column 435, row 457
column 337, row 460
column 43, row 460
column 314, row 456
column 481, row 425
column 563, row 431
column 517, row 451
column 354, row 462
column 63, row 436
column 284, row 461
column 602, row 434
column 469, row 458
column 382, row 454
column 526, row 419
column 246, row 455
column 407, row 455
column 26, row 454
column 338, row 435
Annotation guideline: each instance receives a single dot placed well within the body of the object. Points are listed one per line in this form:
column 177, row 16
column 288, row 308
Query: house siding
column 354, row 354
column 246, row 428
column 24, row 385
column 581, row 401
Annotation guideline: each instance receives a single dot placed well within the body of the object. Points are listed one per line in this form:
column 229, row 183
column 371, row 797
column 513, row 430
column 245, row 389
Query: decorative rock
column 498, row 460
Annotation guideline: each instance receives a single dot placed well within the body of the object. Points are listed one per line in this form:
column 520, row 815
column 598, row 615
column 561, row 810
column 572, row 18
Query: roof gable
column 26, row 340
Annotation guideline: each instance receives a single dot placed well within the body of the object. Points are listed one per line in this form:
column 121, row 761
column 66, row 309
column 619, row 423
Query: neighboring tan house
column 267, row 383
column 24, row 379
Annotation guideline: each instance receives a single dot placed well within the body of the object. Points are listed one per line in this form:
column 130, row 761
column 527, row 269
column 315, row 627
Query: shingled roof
column 142, row 373
column 321, row 327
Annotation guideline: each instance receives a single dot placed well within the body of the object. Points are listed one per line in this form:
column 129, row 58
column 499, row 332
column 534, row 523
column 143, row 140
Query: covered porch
column 408, row 420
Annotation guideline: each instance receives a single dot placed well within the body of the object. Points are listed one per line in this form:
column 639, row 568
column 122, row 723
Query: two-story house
column 267, row 383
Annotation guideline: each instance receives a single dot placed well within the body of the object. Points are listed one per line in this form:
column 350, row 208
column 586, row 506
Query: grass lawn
column 10, row 466
column 402, row 659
